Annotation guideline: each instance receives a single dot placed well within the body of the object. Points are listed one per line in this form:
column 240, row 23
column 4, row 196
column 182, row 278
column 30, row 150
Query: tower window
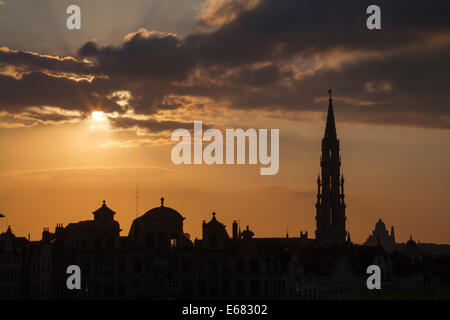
column 173, row 242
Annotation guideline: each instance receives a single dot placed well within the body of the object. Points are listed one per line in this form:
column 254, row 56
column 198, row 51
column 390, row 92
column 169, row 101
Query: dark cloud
column 149, row 55
column 259, row 77
column 39, row 89
column 281, row 29
column 150, row 125
column 273, row 30
column 49, row 116
column 252, row 60
column 31, row 61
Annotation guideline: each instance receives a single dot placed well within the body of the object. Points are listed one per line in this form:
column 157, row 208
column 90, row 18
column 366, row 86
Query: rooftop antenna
column 137, row 200
column 348, row 225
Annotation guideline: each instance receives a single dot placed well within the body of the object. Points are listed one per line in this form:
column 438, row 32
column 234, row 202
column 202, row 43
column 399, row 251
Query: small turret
column 392, row 233
column 235, row 230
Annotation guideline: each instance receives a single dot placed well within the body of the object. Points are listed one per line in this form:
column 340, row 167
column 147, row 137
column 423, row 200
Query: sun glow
column 98, row 116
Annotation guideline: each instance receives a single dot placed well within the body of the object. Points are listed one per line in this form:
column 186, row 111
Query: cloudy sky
column 154, row 66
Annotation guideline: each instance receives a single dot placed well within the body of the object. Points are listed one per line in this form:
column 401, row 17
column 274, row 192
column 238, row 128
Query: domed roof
column 162, row 212
column 411, row 242
column 214, row 222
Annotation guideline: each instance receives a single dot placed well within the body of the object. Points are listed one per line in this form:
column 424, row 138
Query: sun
column 98, row 116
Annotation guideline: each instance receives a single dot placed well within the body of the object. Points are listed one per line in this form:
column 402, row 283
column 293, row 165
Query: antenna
column 137, row 200
column 348, row 225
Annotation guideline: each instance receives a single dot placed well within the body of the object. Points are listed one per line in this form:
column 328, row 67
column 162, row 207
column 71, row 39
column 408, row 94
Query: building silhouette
column 330, row 205
column 158, row 260
column 381, row 236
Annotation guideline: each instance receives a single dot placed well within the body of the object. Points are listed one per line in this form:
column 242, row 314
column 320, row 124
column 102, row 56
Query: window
column 109, row 266
column 186, row 288
column 173, row 243
column 109, row 290
column 254, row 266
column 137, row 266
column 240, row 288
column 121, row 289
column 213, row 289
column 225, row 288
column 254, row 288
column 202, row 288
column 121, row 267
column 240, row 266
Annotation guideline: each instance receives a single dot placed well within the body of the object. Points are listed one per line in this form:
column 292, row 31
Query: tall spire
column 330, row 205
column 330, row 130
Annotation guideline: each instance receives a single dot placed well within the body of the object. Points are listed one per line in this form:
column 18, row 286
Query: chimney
column 45, row 235
column 235, row 230
column 59, row 228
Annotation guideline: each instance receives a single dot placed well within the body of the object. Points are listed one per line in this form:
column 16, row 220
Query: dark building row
column 158, row 261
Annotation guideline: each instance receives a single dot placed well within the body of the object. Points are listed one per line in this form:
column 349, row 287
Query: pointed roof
column 330, row 130
column 214, row 221
column 9, row 231
column 103, row 210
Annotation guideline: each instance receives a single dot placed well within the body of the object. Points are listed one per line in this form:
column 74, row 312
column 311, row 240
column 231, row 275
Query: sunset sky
column 154, row 66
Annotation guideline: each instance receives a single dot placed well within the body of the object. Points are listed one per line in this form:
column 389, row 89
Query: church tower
column 330, row 205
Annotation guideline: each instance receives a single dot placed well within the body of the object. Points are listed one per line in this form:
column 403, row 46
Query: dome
column 411, row 242
column 160, row 221
column 162, row 212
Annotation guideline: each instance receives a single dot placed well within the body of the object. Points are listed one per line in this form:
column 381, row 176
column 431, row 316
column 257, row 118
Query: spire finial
column 162, row 201
column 104, row 202
column 330, row 129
